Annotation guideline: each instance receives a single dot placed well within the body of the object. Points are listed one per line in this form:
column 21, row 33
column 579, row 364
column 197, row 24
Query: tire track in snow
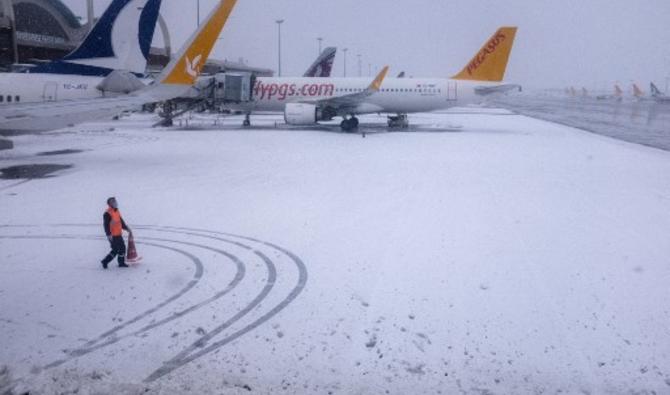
column 93, row 344
column 200, row 347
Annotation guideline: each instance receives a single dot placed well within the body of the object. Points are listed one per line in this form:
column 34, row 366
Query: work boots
column 106, row 261
column 122, row 262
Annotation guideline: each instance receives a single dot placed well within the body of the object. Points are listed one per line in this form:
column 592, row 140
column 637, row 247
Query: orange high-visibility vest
column 115, row 226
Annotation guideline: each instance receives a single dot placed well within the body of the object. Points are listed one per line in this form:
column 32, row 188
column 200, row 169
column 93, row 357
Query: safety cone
column 131, row 256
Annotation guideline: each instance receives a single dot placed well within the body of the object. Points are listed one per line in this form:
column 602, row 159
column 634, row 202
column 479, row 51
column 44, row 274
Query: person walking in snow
column 114, row 227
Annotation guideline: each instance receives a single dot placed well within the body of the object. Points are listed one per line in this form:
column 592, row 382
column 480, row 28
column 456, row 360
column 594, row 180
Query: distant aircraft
column 617, row 95
column 308, row 101
column 108, row 61
column 657, row 95
column 637, row 92
column 323, row 65
column 177, row 78
column 401, row 75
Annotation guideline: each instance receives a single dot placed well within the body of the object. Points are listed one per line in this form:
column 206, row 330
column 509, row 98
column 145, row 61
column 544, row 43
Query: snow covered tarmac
column 505, row 255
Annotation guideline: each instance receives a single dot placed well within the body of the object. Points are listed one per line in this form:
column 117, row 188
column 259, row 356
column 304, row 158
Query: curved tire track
column 208, row 342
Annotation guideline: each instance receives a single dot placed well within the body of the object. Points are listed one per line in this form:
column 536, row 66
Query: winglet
column 377, row 83
column 490, row 63
column 185, row 68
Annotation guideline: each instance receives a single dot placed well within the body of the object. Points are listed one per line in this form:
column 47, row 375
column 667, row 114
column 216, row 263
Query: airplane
column 209, row 92
column 176, row 79
column 309, row 101
column 323, row 65
column 637, row 92
column 657, row 95
column 401, row 75
column 618, row 94
column 108, row 61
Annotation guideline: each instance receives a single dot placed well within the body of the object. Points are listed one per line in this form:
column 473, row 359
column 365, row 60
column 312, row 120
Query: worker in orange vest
column 114, row 227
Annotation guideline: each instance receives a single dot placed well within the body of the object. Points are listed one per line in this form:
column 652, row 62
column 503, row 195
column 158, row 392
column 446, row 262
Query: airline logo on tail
column 184, row 71
column 323, row 65
column 490, row 63
column 193, row 68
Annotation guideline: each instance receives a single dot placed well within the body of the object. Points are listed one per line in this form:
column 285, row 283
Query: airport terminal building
column 33, row 31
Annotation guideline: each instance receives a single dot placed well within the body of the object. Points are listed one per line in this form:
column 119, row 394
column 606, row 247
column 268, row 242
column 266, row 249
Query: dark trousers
column 118, row 249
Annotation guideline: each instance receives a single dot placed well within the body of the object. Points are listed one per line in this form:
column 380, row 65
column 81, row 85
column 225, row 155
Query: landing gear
column 166, row 114
column 398, row 121
column 349, row 125
column 247, row 121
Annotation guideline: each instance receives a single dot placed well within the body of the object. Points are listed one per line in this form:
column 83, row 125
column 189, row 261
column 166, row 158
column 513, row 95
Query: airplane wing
column 59, row 114
column 498, row 89
column 347, row 103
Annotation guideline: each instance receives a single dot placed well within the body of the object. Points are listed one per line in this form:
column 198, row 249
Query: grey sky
column 569, row 42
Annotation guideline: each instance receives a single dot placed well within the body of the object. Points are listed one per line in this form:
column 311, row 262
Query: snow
column 483, row 252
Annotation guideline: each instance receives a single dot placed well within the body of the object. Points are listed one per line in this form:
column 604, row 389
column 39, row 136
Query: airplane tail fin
column 120, row 40
column 490, row 63
column 617, row 91
column 187, row 65
column 654, row 90
column 323, row 65
column 637, row 92
column 585, row 93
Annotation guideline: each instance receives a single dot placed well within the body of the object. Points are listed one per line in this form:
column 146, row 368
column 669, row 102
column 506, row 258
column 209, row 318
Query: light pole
column 279, row 22
column 345, row 60
column 320, row 40
column 360, row 67
column 198, row 12
column 91, row 14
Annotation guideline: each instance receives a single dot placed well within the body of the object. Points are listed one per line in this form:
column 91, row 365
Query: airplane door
column 452, row 91
column 50, row 91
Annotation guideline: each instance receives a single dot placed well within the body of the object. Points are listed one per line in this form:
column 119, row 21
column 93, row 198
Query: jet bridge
column 214, row 93
column 233, row 88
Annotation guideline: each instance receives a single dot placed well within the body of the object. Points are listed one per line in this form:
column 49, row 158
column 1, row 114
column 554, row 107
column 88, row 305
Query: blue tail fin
column 120, row 40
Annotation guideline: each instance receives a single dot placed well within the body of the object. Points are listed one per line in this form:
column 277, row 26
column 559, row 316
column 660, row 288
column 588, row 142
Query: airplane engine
column 301, row 114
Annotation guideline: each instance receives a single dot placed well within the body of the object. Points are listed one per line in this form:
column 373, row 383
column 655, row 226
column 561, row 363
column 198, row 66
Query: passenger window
column 9, row 99
column 17, row 99
column 2, row 99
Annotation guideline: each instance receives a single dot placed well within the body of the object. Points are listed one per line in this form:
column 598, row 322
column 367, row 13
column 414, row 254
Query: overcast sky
column 591, row 43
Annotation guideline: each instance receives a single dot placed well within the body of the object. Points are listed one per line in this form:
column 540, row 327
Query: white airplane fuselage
column 34, row 88
column 396, row 95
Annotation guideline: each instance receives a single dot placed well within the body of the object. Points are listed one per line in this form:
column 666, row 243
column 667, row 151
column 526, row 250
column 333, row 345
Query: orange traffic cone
column 131, row 256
